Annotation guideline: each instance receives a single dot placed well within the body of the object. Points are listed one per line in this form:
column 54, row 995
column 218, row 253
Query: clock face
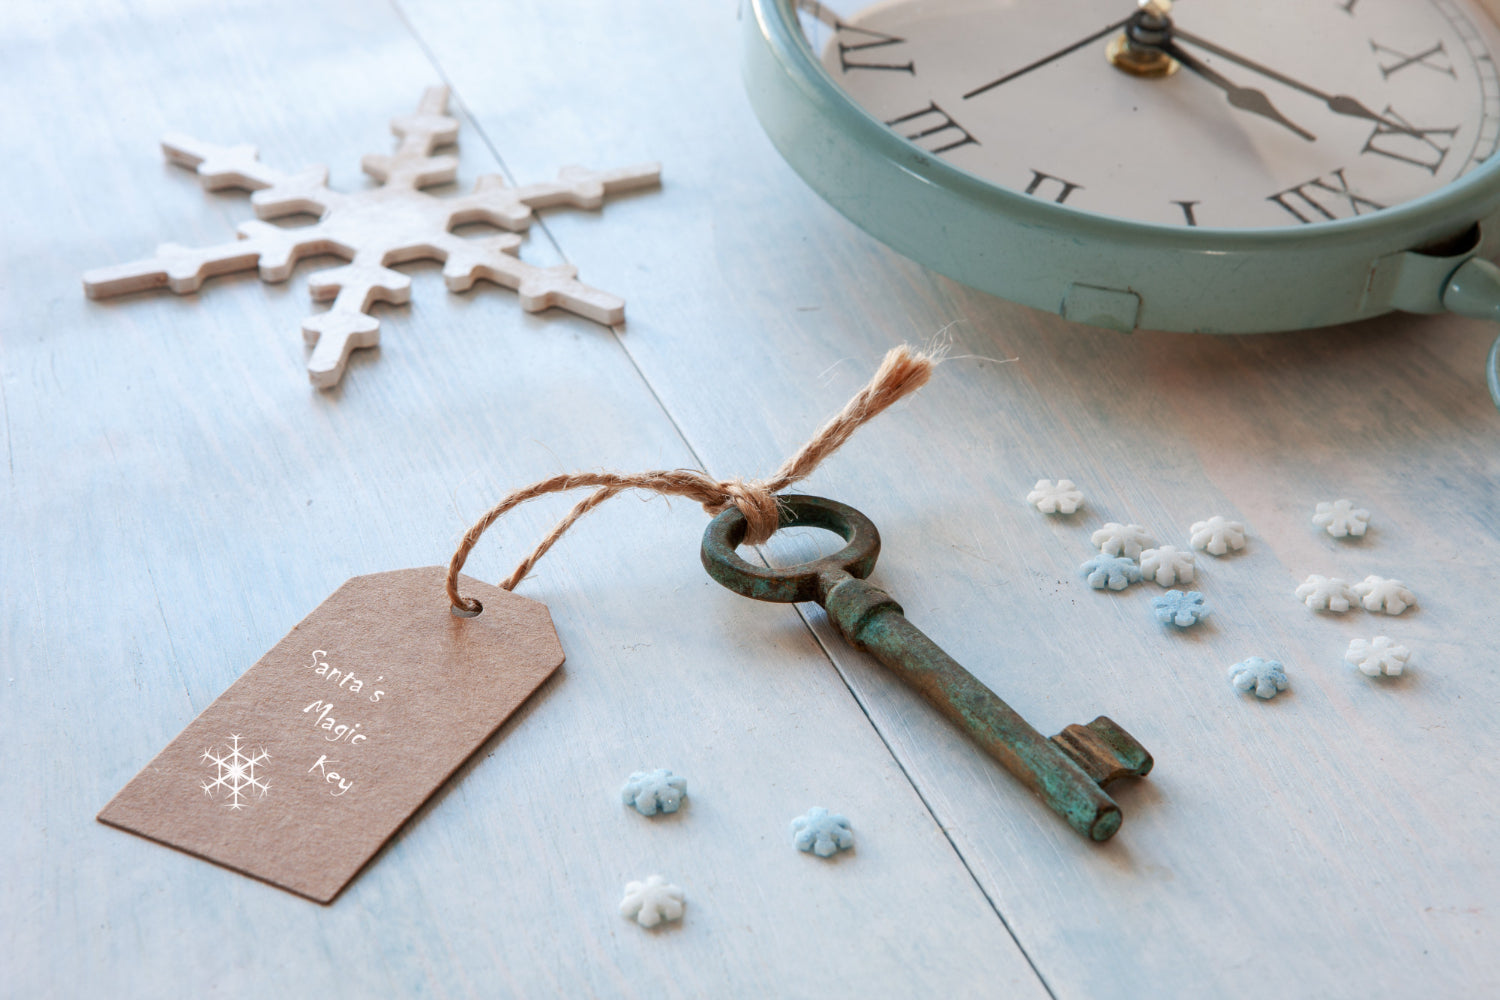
column 1275, row 113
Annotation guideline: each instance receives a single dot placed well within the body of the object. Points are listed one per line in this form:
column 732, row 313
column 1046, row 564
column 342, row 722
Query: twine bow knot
column 903, row 371
column 755, row 500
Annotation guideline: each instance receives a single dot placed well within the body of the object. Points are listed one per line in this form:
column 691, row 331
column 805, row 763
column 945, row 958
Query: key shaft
column 869, row 619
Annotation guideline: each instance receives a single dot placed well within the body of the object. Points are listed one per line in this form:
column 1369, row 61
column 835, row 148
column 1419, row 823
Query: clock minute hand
column 1341, row 104
column 1047, row 59
column 1245, row 98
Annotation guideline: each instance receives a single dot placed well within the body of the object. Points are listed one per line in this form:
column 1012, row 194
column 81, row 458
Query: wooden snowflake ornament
column 373, row 229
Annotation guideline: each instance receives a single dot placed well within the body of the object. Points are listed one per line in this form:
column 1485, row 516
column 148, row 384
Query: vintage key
column 1067, row 771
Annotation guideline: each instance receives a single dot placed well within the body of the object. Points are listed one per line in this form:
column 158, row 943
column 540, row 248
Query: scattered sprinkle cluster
column 1381, row 656
column 1374, row 593
column 655, row 900
column 1129, row 553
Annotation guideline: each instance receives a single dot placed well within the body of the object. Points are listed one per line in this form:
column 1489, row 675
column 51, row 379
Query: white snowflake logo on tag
column 235, row 773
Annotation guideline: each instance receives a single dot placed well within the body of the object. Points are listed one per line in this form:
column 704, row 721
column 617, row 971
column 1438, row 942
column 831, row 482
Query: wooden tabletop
column 178, row 496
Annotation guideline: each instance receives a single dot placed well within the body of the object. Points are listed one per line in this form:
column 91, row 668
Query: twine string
column 903, row 371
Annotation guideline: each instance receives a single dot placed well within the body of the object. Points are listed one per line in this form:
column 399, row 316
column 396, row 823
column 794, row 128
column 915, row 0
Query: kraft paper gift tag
column 316, row 755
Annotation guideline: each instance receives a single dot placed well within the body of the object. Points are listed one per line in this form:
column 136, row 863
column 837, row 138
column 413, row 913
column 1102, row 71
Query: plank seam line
column 698, row 460
column 10, row 452
column 457, row 103
column 995, row 906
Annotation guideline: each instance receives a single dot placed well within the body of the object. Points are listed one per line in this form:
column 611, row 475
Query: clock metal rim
column 1479, row 188
column 1280, row 278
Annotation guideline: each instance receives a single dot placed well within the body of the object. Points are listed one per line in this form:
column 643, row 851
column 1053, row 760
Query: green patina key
column 1067, row 770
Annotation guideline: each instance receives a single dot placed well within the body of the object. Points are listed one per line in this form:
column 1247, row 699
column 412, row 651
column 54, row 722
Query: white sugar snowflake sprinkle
column 1217, row 535
column 1061, row 497
column 1377, row 593
column 1116, row 539
column 1380, row 655
column 652, row 901
column 375, row 228
column 1264, row 677
column 1324, row 593
column 235, row 773
column 1167, row 565
column 1340, row 518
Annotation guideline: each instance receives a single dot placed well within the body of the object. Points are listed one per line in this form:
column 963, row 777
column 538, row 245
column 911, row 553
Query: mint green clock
column 1222, row 167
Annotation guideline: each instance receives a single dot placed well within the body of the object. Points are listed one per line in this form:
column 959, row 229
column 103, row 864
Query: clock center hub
column 1135, row 50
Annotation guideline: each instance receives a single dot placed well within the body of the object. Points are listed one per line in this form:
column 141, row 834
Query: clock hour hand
column 1341, row 104
column 1245, row 98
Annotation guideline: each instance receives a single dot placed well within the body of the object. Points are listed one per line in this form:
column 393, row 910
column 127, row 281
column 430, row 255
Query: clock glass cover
column 1206, row 113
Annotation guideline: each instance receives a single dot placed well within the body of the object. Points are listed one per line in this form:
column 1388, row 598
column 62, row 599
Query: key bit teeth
column 1104, row 750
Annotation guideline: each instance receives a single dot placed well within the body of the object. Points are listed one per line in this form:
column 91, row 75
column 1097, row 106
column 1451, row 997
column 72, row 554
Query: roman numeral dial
column 933, row 129
column 1400, row 140
column 1046, row 185
column 1393, row 61
column 855, row 47
column 1328, row 197
column 1195, row 115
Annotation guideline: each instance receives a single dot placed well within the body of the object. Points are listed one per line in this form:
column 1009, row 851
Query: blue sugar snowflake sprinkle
column 656, row 791
column 1114, row 572
column 1264, row 677
column 1183, row 610
column 821, row 832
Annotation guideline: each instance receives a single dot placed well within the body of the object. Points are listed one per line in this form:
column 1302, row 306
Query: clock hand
column 1148, row 42
column 1341, row 104
column 1154, row 17
column 1245, row 98
column 1047, row 59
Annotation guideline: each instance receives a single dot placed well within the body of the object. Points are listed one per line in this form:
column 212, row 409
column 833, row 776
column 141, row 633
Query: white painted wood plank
column 176, row 497
column 1332, row 843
